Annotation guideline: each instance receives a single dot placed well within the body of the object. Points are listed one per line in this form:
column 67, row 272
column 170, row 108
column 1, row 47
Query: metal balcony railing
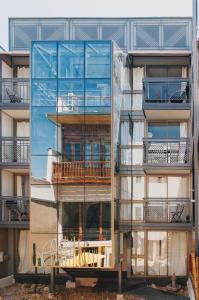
column 167, row 210
column 15, row 150
column 173, row 91
column 167, row 152
column 14, row 209
column 87, row 234
column 89, row 171
column 14, row 91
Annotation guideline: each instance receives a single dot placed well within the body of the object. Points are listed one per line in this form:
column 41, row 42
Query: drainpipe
column 195, row 116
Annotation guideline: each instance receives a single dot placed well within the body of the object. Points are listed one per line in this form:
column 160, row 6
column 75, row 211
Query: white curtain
column 184, row 72
column 183, row 129
column 125, row 212
column 23, row 251
column 126, row 102
column 22, row 146
column 19, row 186
column 138, row 188
column 157, row 253
column 137, row 211
column 178, row 187
column 23, row 72
column 23, row 129
column 126, row 138
column 157, row 187
column 137, row 101
column 177, row 253
column 132, row 156
column 137, row 131
column 126, row 188
column 138, row 74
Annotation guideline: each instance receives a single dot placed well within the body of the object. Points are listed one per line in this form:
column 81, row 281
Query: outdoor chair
column 13, row 97
column 176, row 215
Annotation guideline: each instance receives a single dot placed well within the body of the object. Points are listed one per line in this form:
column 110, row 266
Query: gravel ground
column 41, row 292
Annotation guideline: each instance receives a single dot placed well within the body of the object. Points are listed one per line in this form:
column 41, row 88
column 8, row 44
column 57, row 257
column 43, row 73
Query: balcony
column 167, row 98
column 14, row 211
column 82, row 172
column 15, row 93
column 15, row 151
column 169, row 155
column 171, row 211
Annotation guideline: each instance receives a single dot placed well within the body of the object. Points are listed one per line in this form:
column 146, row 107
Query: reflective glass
column 44, row 92
column 44, row 131
column 70, row 95
column 97, row 94
column 71, row 59
column 98, row 60
column 44, row 60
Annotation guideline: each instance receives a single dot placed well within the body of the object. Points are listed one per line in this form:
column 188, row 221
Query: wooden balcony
column 82, row 172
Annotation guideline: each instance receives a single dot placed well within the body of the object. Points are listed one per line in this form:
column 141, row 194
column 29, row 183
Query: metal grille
column 15, row 150
column 14, row 209
column 175, row 36
column 15, row 91
column 172, row 152
column 147, row 36
column 167, row 211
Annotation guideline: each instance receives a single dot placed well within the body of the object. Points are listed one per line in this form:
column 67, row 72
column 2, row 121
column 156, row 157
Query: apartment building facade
column 111, row 157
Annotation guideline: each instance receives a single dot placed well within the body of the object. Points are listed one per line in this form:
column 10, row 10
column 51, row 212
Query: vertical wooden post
column 80, row 222
column 52, row 279
column 100, row 229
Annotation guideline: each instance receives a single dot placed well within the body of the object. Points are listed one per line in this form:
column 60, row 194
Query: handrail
column 166, row 79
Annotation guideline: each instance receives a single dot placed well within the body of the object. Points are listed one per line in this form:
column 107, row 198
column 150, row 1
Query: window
column 68, row 152
column 164, row 71
column 168, row 187
column 96, row 152
column 87, row 152
column 164, row 130
column 107, row 152
column 77, row 152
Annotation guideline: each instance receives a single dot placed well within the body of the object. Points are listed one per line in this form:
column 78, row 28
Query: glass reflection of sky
column 68, row 77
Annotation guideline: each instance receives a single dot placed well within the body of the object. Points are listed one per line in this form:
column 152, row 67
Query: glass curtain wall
column 71, row 154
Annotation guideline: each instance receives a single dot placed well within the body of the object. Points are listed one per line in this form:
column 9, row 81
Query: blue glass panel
column 44, row 60
column 71, row 60
column 77, row 152
column 71, row 95
column 98, row 59
column 44, row 92
column 96, row 152
column 68, row 152
column 107, row 152
column 43, row 130
column 97, row 95
column 87, row 151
